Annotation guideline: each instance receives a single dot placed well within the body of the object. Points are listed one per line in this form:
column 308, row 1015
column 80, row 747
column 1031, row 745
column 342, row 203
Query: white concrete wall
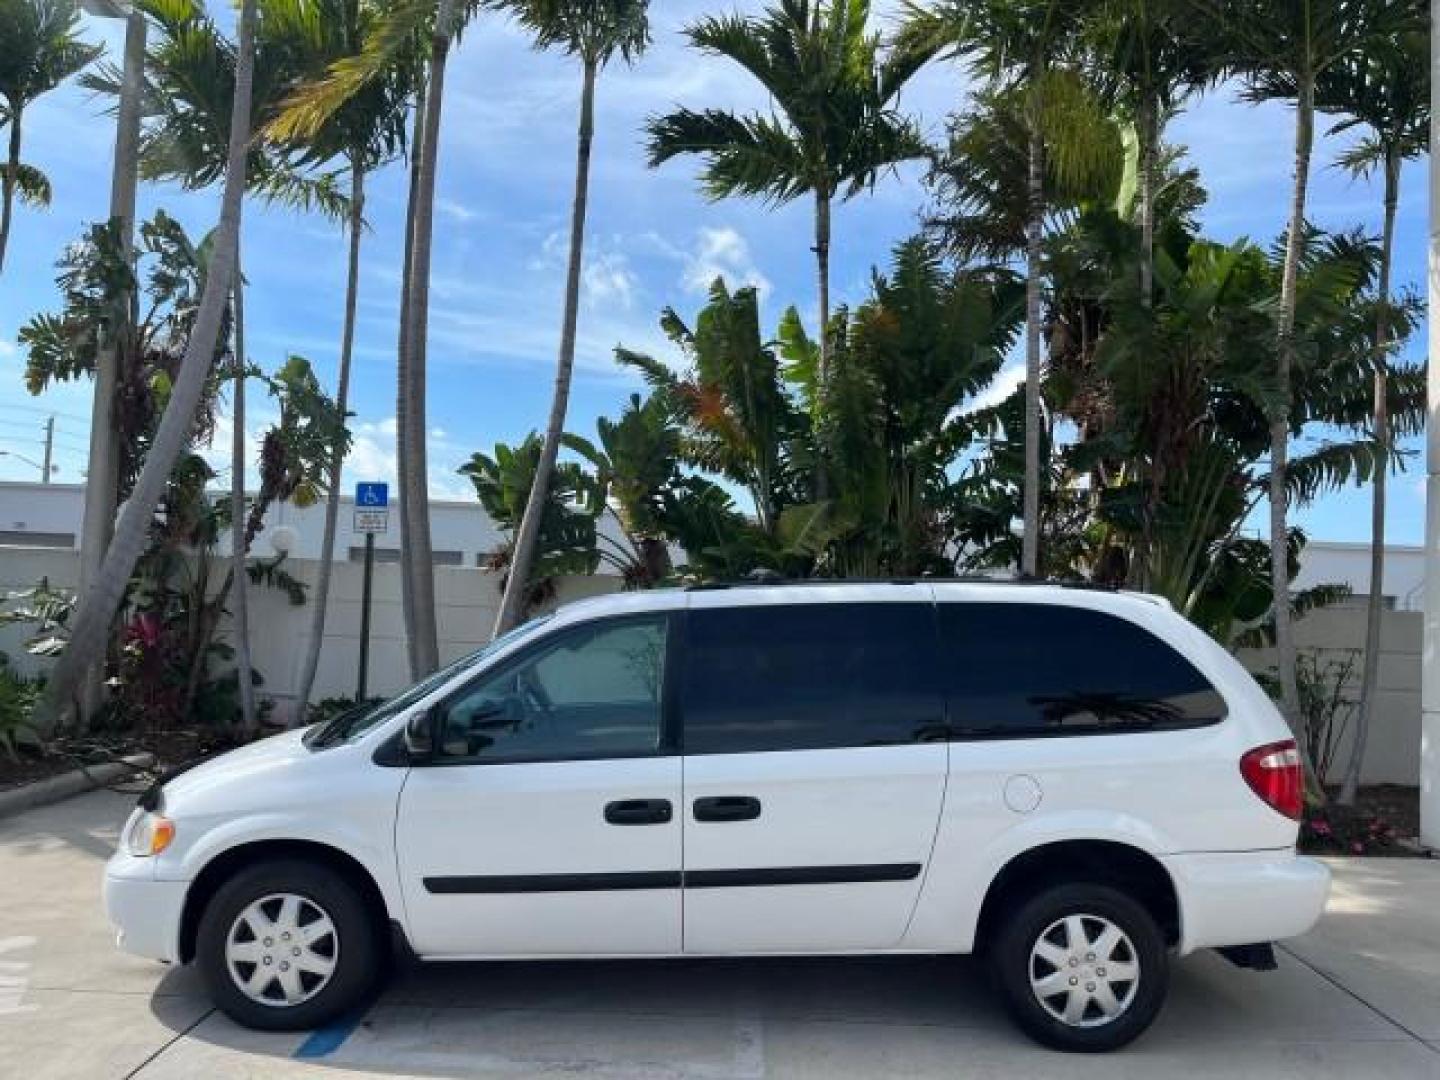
column 1392, row 754
column 467, row 600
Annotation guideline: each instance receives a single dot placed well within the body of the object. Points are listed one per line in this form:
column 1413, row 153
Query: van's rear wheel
column 287, row 945
column 1082, row 967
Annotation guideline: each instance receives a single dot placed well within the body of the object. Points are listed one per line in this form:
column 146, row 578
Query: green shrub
column 18, row 696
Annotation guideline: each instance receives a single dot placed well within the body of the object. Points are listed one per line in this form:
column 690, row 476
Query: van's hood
column 261, row 760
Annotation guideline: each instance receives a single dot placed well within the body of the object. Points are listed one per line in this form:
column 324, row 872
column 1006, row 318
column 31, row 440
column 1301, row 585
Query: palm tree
column 433, row 24
column 419, row 579
column 91, row 624
column 1027, row 48
column 594, row 31
column 1281, row 48
column 834, row 127
column 38, row 51
column 366, row 131
column 1149, row 56
column 1386, row 92
column 189, row 79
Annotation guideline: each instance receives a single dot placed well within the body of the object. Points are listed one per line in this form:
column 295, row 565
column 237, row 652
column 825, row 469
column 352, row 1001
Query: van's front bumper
column 1240, row 898
column 145, row 913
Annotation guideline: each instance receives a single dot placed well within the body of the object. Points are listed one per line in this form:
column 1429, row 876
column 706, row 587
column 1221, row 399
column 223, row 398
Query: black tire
column 1011, row 963
column 359, row 962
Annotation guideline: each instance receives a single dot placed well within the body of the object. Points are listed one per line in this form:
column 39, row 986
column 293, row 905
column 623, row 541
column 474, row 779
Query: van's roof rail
column 769, row 579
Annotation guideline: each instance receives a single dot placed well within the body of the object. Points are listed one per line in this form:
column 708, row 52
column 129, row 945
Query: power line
column 43, row 411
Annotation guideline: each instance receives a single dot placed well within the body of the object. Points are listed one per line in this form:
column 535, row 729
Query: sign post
column 372, row 515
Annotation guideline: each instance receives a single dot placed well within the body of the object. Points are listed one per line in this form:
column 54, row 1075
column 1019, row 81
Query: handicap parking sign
column 372, row 496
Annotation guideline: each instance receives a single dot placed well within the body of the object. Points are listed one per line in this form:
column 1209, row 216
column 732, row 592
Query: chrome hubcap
column 1084, row 970
column 282, row 950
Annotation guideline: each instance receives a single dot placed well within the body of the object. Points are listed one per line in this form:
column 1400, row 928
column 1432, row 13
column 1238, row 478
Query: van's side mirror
column 420, row 737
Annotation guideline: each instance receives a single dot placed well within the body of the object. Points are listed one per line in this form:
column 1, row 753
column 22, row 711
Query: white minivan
column 1078, row 783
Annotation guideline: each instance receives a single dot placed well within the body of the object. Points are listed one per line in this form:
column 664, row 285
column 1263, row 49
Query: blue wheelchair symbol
column 372, row 495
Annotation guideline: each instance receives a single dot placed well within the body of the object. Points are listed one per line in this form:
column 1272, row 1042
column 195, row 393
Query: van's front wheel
column 287, row 945
column 1082, row 967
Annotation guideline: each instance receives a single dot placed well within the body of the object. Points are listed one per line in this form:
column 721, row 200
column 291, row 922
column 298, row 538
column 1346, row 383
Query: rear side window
column 1017, row 669
column 809, row 677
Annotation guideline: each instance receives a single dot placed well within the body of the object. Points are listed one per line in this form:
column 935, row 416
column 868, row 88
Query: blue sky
column 506, row 170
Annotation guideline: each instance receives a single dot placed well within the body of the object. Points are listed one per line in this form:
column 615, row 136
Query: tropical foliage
column 39, row 50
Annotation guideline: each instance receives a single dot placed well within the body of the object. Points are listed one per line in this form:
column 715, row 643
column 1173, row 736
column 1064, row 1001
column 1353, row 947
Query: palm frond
column 32, row 185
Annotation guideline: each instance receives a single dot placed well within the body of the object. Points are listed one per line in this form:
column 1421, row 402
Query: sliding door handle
column 639, row 812
column 727, row 808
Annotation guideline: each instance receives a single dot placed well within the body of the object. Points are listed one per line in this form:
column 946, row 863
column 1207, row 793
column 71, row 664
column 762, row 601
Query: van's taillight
column 1273, row 773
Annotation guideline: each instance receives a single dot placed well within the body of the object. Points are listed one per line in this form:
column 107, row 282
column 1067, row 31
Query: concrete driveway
column 1358, row 997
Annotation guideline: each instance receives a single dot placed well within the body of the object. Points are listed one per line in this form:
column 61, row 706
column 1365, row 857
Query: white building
column 462, row 534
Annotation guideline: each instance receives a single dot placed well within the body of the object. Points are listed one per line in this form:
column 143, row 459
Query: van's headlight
column 149, row 834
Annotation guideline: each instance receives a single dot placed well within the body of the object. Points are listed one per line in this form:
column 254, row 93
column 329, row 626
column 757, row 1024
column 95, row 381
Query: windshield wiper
column 336, row 729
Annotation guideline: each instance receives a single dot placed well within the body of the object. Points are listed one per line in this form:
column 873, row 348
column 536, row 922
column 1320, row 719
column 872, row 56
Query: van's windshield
column 356, row 722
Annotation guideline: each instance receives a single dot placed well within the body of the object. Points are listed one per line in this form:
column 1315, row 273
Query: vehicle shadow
column 703, row 1018
column 746, row 1019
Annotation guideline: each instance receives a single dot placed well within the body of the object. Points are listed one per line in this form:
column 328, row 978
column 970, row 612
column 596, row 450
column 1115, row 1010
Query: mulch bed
column 1383, row 816
column 61, row 755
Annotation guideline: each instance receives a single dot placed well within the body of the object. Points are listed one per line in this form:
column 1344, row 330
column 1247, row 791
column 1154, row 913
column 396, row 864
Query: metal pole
column 1430, row 653
column 360, row 688
column 49, row 448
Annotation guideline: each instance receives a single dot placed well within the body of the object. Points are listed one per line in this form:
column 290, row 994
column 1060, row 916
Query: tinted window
column 809, row 677
column 589, row 692
column 1046, row 668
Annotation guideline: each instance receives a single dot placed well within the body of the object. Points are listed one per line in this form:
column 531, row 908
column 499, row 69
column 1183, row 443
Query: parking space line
column 331, row 1037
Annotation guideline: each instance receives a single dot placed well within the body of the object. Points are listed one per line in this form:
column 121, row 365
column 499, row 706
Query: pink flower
column 1357, row 848
column 146, row 629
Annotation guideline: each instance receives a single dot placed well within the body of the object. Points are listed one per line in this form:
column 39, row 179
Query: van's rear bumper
column 1238, row 898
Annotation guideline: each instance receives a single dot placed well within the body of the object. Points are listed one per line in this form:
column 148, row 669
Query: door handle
column 727, row 808
column 638, row 812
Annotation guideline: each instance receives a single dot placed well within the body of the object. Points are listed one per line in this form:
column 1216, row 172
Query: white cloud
column 458, row 211
column 7, row 349
column 606, row 277
column 372, row 457
column 717, row 252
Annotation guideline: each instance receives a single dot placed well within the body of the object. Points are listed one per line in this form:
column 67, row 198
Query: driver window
column 592, row 692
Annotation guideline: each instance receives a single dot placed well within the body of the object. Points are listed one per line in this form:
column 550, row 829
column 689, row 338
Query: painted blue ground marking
column 328, row 1039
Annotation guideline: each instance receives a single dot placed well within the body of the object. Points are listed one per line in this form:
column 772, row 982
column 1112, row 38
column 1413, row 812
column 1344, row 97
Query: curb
column 53, row 789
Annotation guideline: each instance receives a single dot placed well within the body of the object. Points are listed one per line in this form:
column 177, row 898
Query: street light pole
column 102, row 473
column 1430, row 651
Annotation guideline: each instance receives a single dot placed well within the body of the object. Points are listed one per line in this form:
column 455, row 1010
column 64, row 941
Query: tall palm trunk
column 9, row 183
column 1030, row 539
column 822, row 382
column 421, row 577
column 102, row 476
column 321, row 597
column 240, row 611
column 512, row 606
column 1380, row 427
column 1149, row 134
column 402, row 378
column 1280, row 412
column 91, row 624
